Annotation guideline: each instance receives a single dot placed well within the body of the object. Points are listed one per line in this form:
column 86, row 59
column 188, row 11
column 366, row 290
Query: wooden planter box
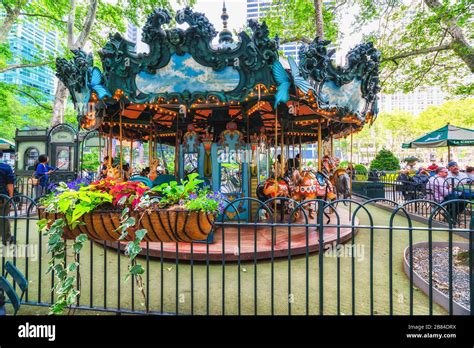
column 163, row 225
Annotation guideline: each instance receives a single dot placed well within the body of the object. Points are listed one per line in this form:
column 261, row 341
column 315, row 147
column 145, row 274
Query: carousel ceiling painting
column 183, row 73
column 240, row 79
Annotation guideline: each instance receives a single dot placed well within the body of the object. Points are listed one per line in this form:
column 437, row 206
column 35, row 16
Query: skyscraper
column 29, row 41
column 413, row 102
column 256, row 9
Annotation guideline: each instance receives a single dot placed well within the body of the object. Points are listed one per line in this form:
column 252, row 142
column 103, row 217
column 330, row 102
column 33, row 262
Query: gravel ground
column 441, row 272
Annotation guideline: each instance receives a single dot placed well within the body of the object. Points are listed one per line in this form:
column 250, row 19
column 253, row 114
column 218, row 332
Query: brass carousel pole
column 350, row 181
column 276, row 170
column 282, row 147
column 331, row 149
column 301, row 154
column 109, row 145
column 131, row 156
column 320, row 147
column 176, row 149
column 121, row 142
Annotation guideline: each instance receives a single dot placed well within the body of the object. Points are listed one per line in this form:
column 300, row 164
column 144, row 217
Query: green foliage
column 296, row 19
column 360, row 169
column 205, row 202
column 385, row 160
column 90, row 161
column 410, row 27
column 344, row 164
column 173, row 193
column 65, row 273
column 74, row 204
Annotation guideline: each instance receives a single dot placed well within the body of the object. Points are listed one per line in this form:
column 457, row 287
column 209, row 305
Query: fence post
column 321, row 256
column 471, row 264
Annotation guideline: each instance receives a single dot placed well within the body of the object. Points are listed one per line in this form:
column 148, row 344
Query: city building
column 132, row 35
column 28, row 41
column 414, row 102
column 256, row 9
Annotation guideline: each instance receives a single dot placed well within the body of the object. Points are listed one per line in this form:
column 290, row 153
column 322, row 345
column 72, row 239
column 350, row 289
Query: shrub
column 385, row 160
column 360, row 169
column 344, row 164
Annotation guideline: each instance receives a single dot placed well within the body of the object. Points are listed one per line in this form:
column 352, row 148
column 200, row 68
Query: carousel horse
column 341, row 181
column 309, row 185
column 299, row 187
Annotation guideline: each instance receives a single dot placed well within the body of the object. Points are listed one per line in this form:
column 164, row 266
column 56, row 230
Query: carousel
column 235, row 112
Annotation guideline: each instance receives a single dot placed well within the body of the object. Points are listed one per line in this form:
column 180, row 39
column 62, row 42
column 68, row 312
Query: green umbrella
column 447, row 136
column 6, row 146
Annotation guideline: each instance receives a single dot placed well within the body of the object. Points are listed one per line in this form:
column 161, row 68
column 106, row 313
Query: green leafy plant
column 65, row 273
column 360, row 169
column 385, row 160
column 173, row 193
column 74, row 204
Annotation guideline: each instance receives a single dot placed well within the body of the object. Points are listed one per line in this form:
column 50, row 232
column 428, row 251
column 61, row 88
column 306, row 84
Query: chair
column 142, row 179
column 8, row 288
column 162, row 179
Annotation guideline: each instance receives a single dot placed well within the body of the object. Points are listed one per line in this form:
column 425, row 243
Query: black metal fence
column 399, row 191
column 351, row 258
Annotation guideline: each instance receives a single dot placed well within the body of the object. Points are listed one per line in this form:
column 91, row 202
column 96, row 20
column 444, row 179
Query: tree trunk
column 318, row 9
column 459, row 44
column 59, row 106
column 60, row 98
column 8, row 24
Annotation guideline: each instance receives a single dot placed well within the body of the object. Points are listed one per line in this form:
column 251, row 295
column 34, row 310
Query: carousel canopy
column 6, row 146
column 446, row 136
column 186, row 79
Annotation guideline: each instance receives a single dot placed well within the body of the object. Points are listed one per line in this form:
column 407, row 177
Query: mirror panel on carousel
column 230, row 170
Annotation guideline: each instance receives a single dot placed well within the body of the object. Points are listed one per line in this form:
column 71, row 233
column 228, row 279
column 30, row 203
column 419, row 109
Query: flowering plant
column 204, row 201
column 190, row 196
column 72, row 185
column 128, row 193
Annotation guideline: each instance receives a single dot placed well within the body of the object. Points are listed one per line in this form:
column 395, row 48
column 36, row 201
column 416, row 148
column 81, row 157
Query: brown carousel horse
column 299, row 187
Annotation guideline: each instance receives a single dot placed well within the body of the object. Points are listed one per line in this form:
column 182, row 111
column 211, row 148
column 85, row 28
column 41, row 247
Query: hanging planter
column 162, row 225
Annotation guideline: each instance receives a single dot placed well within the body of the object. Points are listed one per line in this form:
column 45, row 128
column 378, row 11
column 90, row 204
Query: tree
column 385, row 160
column 20, row 111
column 301, row 20
column 90, row 22
column 425, row 42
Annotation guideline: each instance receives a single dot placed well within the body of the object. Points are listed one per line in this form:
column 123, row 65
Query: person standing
column 7, row 181
column 42, row 172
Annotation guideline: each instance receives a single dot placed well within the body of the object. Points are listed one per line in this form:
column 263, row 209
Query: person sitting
column 433, row 166
column 406, row 185
column 470, row 173
column 145, row 172
column 454, row 173
column 437, row 186
column 293, row 163
column 125, row 171
column 103, row 168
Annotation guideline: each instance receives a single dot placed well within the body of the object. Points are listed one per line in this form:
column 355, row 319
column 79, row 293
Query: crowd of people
column 438, row 182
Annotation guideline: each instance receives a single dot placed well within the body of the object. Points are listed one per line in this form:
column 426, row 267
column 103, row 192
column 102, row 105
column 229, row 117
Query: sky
column 237, row 11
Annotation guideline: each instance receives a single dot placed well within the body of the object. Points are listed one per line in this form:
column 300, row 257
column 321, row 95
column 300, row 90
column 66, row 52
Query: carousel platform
column 254, row 243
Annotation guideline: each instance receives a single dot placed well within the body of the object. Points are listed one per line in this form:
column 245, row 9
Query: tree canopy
column 423, row 42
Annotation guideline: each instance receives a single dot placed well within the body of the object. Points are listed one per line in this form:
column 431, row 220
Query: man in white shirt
column 455, row 173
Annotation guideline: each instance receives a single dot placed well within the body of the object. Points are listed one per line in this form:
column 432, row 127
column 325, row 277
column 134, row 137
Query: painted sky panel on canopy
column 184, row 73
